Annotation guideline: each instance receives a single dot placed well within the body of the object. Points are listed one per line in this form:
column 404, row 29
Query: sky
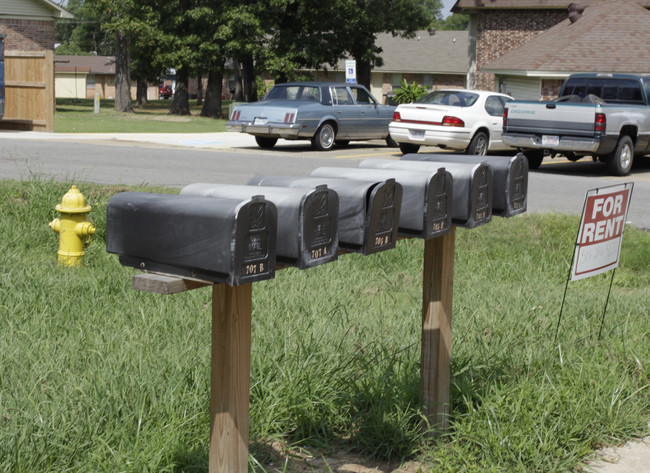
column 446, row 6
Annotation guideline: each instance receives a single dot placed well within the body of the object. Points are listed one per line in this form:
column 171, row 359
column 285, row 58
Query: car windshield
column 294, row 92
column 457, row 98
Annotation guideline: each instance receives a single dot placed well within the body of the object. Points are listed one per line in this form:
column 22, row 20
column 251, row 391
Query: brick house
column 527, row 47
column 28, row 29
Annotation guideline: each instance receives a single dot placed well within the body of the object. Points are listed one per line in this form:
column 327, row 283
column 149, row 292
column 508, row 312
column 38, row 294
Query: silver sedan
column 327, row 113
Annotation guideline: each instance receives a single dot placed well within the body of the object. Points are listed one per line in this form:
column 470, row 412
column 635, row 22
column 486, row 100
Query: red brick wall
column 499, row 31
column 27, row 35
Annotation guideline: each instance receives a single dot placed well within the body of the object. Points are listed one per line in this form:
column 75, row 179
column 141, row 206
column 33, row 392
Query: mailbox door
column 320, row 223
column 382, row 225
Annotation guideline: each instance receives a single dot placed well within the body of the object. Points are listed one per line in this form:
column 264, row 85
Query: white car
column 469, row 120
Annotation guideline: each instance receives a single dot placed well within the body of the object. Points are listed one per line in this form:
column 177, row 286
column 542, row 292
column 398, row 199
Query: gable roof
column 470, row 6
column 611, row 36
column 439, row 52
column 37, row 9
column 87, row 64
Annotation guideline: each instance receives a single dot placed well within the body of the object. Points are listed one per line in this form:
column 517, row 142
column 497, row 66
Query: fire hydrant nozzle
column 74, row 229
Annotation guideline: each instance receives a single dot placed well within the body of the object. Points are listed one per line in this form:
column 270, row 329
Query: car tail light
column 288, row 118
column 397, row 117
column 235, row 115
column 452, row 121
column 505, row 118
column 601, row 122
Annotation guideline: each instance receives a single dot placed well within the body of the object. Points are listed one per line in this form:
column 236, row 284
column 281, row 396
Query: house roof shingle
column 91, row 64
column 465, row 6
column 611, row 36
column 444, row 52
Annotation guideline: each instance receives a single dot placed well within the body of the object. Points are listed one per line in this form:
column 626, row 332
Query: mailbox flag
column 601, row 231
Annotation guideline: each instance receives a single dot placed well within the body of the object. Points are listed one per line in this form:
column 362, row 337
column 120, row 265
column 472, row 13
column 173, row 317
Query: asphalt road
column 179, row 160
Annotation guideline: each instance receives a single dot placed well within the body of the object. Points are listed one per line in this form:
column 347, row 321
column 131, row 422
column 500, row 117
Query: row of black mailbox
column 236, row 234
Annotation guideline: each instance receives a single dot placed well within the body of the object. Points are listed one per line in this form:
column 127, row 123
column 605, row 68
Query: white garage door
column 522, row 88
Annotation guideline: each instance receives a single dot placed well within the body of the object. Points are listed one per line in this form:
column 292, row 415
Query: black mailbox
column 307, row 219
column 368, row 210
column 510, row 174
column 426, row 199
column 472, row 192
column 221, row 240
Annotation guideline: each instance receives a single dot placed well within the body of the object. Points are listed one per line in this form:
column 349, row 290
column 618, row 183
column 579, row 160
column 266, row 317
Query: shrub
column 409, row 93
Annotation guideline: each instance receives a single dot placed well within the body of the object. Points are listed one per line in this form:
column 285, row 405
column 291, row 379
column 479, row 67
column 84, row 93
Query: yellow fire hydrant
column 73, row 227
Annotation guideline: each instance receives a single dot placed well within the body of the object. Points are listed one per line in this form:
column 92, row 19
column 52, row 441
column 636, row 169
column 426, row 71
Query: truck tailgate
column 551, row 118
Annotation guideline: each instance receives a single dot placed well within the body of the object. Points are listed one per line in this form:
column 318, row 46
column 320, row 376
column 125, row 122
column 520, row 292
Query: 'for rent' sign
column 601, row 231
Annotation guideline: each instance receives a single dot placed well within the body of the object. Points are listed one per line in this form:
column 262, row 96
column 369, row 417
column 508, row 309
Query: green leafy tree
column 82, row 35
column 455, row 22
column 359, row 22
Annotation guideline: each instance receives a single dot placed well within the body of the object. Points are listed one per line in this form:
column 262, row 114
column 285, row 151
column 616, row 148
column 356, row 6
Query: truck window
column 629, row 91
column 595, row 87
column 576, row 86
column 610, row 91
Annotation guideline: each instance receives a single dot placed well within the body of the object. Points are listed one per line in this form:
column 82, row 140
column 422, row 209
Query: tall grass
column 98, row 377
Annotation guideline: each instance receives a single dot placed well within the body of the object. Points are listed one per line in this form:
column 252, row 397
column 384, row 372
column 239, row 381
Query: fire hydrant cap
column 73, row 202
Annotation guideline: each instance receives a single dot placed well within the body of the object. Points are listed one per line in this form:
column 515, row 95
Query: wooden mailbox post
column 231, row 351
column 230, row 365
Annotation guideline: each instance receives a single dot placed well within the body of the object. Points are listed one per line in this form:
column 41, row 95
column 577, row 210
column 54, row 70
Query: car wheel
column 390, row 142
column 323, row 140
column 620, row 160
column 534, row 157
column 479, row 144
column 408, row 148
column 265, row 142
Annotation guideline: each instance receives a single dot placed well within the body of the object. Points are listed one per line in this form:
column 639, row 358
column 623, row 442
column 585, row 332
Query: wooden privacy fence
column 29, row 91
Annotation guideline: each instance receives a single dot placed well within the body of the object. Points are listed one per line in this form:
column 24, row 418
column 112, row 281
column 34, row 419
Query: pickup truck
column 605, row 116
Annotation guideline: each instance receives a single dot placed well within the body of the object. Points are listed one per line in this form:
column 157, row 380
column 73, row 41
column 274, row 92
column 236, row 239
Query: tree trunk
column 122, row 80
column 199, row 90
column 248, row 74
column 181, row 102
column 239, row 96
column 363, row 73
column 212, row 103
column 141, row 98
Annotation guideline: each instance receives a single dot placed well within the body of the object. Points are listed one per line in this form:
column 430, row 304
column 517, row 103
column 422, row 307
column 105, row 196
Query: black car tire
column 619, row 162
column 324, row 138
column 408, row 148
column 265, row 142
column 390, row 142
column 479, row 144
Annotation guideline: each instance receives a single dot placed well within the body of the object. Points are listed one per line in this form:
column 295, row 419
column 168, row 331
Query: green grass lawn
column 97, row 377
column 78, row 116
